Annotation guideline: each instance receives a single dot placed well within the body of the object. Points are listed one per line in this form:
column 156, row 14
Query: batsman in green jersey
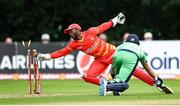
column 125, row 60
column 127, row 57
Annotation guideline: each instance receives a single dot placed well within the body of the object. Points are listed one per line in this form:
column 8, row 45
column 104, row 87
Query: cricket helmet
column 74, row 25
column 133, row 38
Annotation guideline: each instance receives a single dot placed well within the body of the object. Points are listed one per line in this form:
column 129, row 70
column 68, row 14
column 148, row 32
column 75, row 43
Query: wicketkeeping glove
column 43, row 57
column 158, row 81
column 119, row 19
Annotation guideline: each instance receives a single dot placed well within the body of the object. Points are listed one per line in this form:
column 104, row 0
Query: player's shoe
column 116, row 93
column 165, row 89
column 102, row 90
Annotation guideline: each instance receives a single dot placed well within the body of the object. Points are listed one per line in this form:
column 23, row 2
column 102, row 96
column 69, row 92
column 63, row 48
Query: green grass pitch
column 60, row 92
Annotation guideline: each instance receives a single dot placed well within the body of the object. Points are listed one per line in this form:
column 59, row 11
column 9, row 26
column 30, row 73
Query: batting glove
column 158, row 82
column 119, row 19
column 43, row 57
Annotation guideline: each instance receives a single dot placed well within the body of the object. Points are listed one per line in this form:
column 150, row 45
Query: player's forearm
column 105, row 26
column 60, row 53
column 149, row 70
column 151, row 73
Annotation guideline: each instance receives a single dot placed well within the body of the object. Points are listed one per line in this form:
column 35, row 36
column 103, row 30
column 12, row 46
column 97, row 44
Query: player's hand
column 43, row 57
column 158, row 81
column 119, row 19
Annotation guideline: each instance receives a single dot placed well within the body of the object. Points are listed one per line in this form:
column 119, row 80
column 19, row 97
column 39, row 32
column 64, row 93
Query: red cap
column 74, row 25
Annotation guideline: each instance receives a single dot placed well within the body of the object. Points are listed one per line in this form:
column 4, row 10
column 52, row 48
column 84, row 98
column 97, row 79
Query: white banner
column 163, row 57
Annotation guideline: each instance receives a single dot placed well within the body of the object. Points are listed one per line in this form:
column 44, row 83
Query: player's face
column 75, row 34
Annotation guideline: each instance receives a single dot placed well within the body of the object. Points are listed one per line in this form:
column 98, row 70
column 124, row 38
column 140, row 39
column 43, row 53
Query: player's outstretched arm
column 157, row 81
column 56, row 54
column 149, row 70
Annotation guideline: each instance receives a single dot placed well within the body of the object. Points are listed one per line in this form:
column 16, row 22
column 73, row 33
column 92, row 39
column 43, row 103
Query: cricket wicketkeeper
column 89, row 43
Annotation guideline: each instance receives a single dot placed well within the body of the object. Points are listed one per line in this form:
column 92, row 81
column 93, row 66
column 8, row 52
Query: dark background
column 28, row 19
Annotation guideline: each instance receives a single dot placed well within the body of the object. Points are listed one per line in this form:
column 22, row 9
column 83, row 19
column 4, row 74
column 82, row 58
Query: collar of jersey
column 81, row 39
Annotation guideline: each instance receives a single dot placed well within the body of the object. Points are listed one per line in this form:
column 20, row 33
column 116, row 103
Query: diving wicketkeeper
column 89, row 43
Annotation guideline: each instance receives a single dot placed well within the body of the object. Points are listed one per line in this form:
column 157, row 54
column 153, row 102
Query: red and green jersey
column 90, row 43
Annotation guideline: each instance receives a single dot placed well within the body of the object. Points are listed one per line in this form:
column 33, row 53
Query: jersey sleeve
column 101, row 28
column 62, row 52
column 143, row 57
column 105, row 26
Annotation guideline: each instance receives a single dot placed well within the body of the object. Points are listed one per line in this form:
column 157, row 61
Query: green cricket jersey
column 135, row 48
column 125, row 60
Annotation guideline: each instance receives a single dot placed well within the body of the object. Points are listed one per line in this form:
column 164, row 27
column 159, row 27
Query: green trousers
column 124, row 63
